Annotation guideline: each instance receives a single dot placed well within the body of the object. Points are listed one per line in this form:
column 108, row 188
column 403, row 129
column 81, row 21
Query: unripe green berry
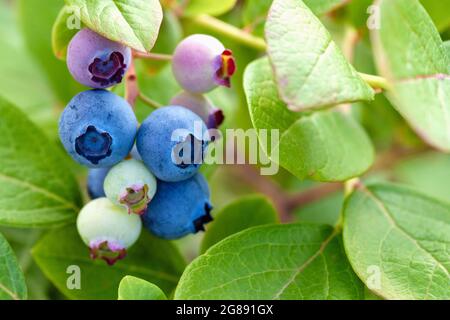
column 131, row 185
column 107, row 229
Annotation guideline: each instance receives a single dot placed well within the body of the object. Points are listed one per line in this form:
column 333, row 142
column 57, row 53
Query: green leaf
column 438, row 10
column 320, row 7
column 310, row 70
column 134, row 23
column 447, row 48
column 244, row 213
column 255, row 11
column 151, row 259
column 428, row 173
column 323, row 146
column 214, row 8
column 132, row 288
column 405, row 235
column 418, row 72
column 61, row 34
column 12, row 281
column 382, row 133
column 21, row 242
column 288, row 262
column 369, row 295
column 23, row 83
column 37, row 188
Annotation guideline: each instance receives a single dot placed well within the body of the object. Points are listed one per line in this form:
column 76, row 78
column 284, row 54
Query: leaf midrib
column 39, row 190
column 124, row 18
column 302, row 267
column 417, row 34
column 9, row 292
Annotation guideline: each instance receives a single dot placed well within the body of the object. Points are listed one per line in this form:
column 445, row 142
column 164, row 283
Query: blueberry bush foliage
column 359, row 91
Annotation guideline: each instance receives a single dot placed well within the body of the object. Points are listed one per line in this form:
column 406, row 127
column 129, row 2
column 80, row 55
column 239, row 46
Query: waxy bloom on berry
column 95, row 61
column 201, row 63
column 108, row 230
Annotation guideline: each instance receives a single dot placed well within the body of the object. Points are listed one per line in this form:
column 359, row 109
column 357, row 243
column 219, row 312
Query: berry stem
column 131, row 86
column 152, row 56
column 132, row 91
column 229, row 31
column 148, row 101
column 351, row 185
column 376, row 82
column 258, row 43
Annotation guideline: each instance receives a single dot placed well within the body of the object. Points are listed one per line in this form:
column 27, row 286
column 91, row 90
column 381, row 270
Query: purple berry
column 200, row 105
column 95, row 61
column 201, row 63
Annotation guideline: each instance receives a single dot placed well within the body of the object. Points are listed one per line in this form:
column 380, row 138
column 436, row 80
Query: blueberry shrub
column 225, row 149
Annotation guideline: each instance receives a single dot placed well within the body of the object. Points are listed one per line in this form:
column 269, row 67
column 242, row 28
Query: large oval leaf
column 428, row 173
column 132, row 288
column 415, row 61
column 23, row 83
column 310, row 70
column 323, row 146
column 244, row 213
column 255, row 11
column 12, row 281
column 299, row 261
column 403, row 235
column 134, row 23
column 152, row 259
column 447, row 48
column 37, row 188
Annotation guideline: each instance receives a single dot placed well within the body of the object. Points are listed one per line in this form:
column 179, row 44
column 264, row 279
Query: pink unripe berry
column 201, row 63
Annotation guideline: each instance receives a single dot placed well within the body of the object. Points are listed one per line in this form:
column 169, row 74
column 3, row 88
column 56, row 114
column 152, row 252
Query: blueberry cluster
column 143, row 175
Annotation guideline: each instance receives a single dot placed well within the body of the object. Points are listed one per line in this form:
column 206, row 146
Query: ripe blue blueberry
column 95, row 61
column 96, row 178
column 98, row 128
column 108, row 230
column 172, row 142
column 179, row 208
column 201, row 106
column 201, row 63
column 131, row 185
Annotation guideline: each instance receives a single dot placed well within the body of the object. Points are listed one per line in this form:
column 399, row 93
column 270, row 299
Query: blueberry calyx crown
column 215, row 119
column 110, row 71
column 136, row 199
column 94, row 145
column 108, row 251
column 189, row 152
column 227, row 68
column 199, row 224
